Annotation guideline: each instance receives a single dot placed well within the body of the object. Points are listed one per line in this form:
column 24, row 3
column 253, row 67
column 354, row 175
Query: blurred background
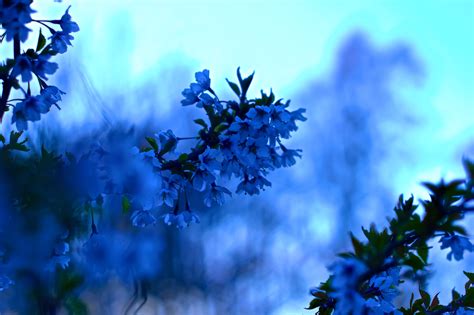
column 388, row 87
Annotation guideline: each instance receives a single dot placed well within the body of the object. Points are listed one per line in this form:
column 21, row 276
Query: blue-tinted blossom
column 42, row 67
column 181, row 220
column 205, row 100
column 14, row 18
column 194, row 94
column 259, row 116
column 202, row 178
column 29, row 110
column 18, row 118
column 215, row 195
column 385, row 284
column 345, row 282
column 142, row 218
column 287, row 158
column 210, row 160
column 167, row 139
column 67, row 25
column 202, row 78
column 60, row 40
column 190, row 97
column 23, row 67
column 51, row 95
column 458, row 245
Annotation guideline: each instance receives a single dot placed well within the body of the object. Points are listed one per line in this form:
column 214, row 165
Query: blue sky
column 125, row 43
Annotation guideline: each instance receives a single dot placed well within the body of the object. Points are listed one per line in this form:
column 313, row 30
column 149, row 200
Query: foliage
column 365, row 280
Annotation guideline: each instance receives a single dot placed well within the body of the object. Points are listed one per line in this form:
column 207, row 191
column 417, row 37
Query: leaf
column 41, row 41
column 221, row 127
column 76, row 306
column 234, row 87
column 125, row 205
column 314, row 303
column 200, row 122
column 469, row 297
column 14, row 144
column 435, row 302
column 425, row 297
column 152, row 142
column 415, row 262
column 455, row 295
column 244, row 83
column 358, row 246
column 183, row 157
column 469, row 275
column 2, row 138
column 422, row 251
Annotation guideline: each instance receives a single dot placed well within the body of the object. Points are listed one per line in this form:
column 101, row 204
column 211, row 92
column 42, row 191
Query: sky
column 125, row 43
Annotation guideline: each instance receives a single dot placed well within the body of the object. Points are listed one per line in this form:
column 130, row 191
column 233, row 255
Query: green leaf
column 125, row 205
column 76, row 306
column 200, row 122
column 221, row 127
column 435, row 302
column 2, row 138
column 15, row 144
column 244, row 83
column 358, row 246
column 234, row 87
column 469, row 297
column 314, row 303
column 152, row 142
column 455, row 295
column 183, row 157
column 423, row 251
column 41, row 41
column 469, row 275
column 415, row 262
column 425, row 298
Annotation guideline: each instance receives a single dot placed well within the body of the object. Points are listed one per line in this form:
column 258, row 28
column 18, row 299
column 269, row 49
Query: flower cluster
column 366, row 280
column 241, row 139
column 32, row 63
column 14, row 15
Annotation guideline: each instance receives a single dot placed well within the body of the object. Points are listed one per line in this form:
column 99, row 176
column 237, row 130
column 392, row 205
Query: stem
column 7, row 86
column 187, row 138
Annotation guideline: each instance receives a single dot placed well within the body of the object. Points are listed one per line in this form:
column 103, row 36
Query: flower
column 385, row 284
column 346, row 274
column 142, row 218
column 202, row 78
column 287, row 158
column 60, row 40
column 42, row 66
column 29, row 109
column 19, row 118
column 66, row 23
column 181, row 220
column 209, row 160
column 23, row 67
column 14, row 17
column 259, row 116
column 202, row 179
column 215, row 195
column 51, row 95
column 458, row 245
